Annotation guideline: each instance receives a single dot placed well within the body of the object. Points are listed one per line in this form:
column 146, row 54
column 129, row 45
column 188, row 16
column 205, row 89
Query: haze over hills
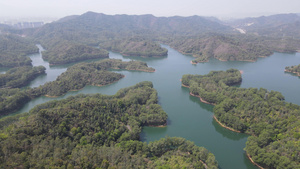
column 94, row 29
column 116, row 32
column 92, row 21
column 140, row 35
column 280, row 25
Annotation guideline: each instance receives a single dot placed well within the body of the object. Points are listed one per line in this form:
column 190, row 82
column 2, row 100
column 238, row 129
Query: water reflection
column 292, row 74
column 227, row 133
column 155, row 130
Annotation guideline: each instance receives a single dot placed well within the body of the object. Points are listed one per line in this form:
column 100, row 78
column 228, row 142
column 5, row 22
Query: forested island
column 272, row 123
column 75, row 78
column 20, row 76
column 231, row 47
column 82, row 74
column 14, row 50
column 293, row 69
column 93, row 131
column 64, row 52
column 12, row 100
column 135, row 47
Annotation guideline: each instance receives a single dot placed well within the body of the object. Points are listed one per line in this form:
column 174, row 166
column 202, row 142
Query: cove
column 188, row 117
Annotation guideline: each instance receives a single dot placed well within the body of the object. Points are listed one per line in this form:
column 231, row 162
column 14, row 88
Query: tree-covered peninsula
column 65, row 52
column 20, row 76
column 82, row 74
column 96, row 131
column 135, row 47
column 274, row 125
column 13, row 50
column 12, row 100
column 293, row 69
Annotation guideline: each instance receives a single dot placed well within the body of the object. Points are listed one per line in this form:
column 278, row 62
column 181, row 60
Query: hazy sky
column 219, row 8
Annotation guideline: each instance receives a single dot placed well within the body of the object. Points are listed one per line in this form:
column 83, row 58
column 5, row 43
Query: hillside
column 65, row 52
column 128, row 34
column 20, row 76
column 202, row 37
column 231, row 47
column 13, row 50
column 280, row 25
column 144, row 24
column 135, row 47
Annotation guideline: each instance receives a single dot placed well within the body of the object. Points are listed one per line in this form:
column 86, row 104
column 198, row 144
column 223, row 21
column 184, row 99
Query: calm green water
column 188, row 117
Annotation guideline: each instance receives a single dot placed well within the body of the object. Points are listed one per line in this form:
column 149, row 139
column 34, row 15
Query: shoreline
column 195, row 63
column 184, row 85
column 224, row 126
column 160, row 126
column 80, row 60
column 297, row 73
column 142, row 70
column 150, row 71
column 74, row 90
column 202, row 100
column 249, row 157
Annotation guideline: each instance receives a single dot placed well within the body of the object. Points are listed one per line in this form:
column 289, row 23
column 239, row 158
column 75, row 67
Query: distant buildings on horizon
column 23, row 23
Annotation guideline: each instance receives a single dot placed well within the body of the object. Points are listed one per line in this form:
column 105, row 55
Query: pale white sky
column 219, row 8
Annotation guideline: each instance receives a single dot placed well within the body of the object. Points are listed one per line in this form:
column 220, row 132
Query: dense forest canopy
column 14, row 50
column 135, row 47
column 20, row 76
column 65, row 52
column 230, row 47
column 90, row 131
column 12, row 100
column 274, row 125
column 221, row 47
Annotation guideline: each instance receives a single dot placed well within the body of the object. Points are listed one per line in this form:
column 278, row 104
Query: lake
column 188, row 117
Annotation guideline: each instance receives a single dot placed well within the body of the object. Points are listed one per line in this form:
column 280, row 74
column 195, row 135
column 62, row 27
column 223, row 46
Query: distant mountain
column 93, row 29
column 266, row 21
column 136, row 35
column 281, row 25
column 94, row 23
